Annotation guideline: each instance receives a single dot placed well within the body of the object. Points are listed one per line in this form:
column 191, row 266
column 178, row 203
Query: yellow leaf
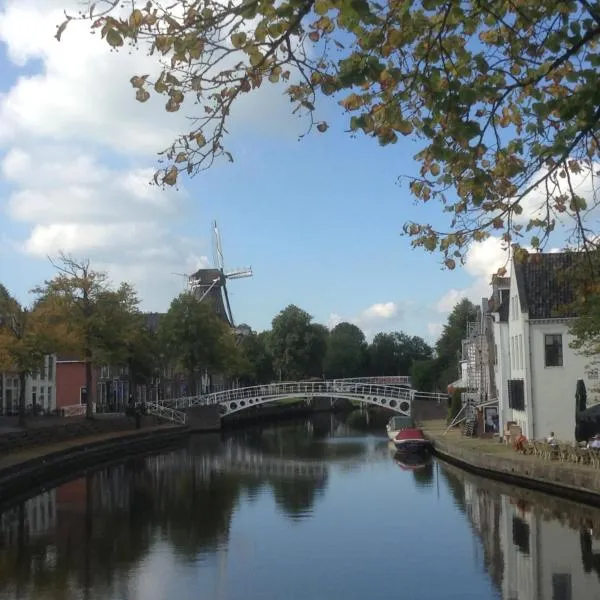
column 170, row 177
column 181, row 157
column 435, row 169
column 136, row 18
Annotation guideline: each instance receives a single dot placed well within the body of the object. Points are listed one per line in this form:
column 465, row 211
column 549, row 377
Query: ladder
column 469, row 427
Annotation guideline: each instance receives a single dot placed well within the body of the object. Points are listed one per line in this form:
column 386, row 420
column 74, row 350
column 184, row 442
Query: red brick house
column 70, row 381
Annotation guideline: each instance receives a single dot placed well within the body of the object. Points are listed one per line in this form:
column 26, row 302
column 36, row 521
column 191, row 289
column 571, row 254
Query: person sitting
column 551, row 439
column 594, row 443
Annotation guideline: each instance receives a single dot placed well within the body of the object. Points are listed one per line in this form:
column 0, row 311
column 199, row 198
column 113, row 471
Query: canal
column 309, row 510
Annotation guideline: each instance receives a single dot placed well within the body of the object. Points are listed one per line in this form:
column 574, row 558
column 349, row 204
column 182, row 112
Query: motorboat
column 397, row 424
column 406, row 436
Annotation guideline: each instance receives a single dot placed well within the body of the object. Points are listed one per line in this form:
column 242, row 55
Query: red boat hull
column 411, row 438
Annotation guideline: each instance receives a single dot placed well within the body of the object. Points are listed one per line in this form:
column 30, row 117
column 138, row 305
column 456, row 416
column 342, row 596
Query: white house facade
column 536, row 369
column 40, row 389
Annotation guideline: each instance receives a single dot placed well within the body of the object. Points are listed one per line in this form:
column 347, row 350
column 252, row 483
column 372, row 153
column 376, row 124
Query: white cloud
column 381, row 316
column 481, row 261
column 67, row 119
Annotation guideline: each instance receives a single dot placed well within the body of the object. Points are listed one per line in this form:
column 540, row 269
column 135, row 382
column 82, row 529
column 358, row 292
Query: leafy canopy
column 503, row 96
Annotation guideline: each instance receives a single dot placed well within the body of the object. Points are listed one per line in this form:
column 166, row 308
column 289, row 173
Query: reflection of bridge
column 236, row 459
column 392, row 396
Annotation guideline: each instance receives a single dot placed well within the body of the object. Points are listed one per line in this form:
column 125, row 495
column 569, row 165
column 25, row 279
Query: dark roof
column 545, row 284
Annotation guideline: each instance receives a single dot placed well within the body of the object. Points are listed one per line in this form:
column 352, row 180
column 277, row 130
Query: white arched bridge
column 395, row 397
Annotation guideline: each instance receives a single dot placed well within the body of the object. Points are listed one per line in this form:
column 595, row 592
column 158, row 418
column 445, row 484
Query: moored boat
column 397, row 424
column 403, row 432
column 412, row 461
column 411, row 439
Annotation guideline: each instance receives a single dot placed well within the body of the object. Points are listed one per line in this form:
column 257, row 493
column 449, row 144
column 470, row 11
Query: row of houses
column 517, row 362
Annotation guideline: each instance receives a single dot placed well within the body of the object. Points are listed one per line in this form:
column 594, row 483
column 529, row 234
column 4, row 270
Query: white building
column 536, row 371
column 40, row 389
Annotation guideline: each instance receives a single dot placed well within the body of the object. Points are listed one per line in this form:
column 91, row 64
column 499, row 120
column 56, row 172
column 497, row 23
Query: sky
column 319, row 219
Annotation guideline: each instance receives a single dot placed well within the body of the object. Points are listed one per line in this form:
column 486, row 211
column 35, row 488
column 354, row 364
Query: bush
column 455, row 404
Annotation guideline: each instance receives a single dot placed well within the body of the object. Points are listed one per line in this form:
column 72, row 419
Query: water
column 314, row 510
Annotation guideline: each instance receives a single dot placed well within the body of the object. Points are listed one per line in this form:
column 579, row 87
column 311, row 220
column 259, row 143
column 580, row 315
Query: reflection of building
column 38, row 514
column 529, row 553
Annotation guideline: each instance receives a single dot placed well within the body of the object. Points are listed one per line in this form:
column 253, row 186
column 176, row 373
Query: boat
column 406, row 436
column 397, row 424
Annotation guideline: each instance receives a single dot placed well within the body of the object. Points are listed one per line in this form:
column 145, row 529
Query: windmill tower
column 211, row 284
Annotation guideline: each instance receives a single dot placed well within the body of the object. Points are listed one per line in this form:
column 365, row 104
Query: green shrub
column 455, row 404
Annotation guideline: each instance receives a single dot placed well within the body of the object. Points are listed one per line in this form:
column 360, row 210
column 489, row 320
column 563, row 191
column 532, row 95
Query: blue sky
column 319, row 220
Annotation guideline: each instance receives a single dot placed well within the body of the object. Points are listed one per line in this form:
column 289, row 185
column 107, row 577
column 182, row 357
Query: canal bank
column 24, row 471
column 495, row 460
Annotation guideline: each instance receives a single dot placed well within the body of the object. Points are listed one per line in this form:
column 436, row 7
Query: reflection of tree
column 296, row 497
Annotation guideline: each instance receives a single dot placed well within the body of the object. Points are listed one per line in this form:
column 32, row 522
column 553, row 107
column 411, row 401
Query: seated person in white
column 551, row 439
column 595, row 442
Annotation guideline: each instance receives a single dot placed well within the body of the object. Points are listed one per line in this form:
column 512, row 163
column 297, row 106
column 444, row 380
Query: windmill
column 212, row 283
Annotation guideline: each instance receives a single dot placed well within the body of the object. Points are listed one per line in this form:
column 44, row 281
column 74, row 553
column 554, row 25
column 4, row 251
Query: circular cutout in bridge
column 393, row 403
column 232, row 406
column 405, row 406
column 242, row 404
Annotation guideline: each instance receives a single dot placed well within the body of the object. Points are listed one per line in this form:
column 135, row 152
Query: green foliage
column 346, row 352
column 424, row 375
column 448, row 346
column 395, row 353
column 256, row 366
column 193, row 338
column 95, row 320
column 455, row 404
column 297, row 345
column 24, row 341
column 502, row 96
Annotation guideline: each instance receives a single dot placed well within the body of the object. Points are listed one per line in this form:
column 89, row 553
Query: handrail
column 176, row 416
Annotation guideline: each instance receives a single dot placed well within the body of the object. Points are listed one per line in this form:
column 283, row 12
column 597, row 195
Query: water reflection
column 533, row 546
column 291, row 512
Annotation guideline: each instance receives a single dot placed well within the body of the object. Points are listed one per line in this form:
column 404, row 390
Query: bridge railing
column 165, row 412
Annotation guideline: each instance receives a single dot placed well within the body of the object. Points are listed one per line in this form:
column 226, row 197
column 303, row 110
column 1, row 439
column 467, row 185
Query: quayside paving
column 36, row 452
column 496, row 460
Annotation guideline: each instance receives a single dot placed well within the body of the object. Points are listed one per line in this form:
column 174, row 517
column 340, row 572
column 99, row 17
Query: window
column 495, row 354
column 561, row 586
column 516, row 394
column 512, row 352
column 83, row 395
column 50, row 367
column 553, row 352
column 520, row 535
column 521, row 350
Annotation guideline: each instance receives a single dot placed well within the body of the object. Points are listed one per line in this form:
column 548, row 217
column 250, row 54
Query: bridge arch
column 395, row 398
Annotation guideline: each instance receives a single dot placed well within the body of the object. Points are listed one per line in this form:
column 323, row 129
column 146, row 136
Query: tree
column 501, row 95
column 97, row 319
column 24, row 342
column 449, row 345
column 395, row 353
column 346, row 352
column 196, row 339
column 297, row 345
column 424, row 375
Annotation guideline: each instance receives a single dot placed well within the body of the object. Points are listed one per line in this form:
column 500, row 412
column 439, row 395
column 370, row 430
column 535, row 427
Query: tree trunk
column 22, row 384
column 89, row 409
